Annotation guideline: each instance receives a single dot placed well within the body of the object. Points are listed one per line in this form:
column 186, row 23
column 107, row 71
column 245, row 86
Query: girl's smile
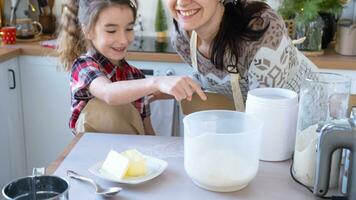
column 119, row 49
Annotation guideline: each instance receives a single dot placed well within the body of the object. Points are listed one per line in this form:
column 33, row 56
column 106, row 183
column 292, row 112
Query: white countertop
column 272, row 181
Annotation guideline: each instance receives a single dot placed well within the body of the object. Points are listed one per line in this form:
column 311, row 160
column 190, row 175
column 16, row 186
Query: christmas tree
column 161, row 20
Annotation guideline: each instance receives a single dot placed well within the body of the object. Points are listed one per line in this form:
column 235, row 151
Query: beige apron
column 97, row 116
column 214, row 101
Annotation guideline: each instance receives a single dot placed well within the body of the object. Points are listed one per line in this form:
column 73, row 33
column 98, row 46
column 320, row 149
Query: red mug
column 8, row 35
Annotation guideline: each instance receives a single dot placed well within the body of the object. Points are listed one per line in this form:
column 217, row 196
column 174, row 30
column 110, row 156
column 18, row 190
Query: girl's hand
column 181, row 87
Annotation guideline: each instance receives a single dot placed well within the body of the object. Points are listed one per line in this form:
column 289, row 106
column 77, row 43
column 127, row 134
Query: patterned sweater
column 271, row 61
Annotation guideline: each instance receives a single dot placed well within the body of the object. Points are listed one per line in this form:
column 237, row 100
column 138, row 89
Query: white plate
column 155, row 167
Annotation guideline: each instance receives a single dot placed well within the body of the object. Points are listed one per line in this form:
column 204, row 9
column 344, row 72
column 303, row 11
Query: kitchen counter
column 151, row 50
column 272, row 181
column 162, row 54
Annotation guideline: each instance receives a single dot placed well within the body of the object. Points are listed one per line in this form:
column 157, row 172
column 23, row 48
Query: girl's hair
column 236, row 26
column 76, row 15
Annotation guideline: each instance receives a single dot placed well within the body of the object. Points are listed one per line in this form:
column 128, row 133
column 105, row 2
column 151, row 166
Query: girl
column 236, row 36
column 103, row 30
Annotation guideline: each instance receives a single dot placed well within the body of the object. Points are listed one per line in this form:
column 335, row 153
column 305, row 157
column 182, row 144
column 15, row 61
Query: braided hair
column 78, row 14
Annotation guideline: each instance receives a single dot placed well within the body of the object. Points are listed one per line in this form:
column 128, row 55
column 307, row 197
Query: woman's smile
column 187, row 13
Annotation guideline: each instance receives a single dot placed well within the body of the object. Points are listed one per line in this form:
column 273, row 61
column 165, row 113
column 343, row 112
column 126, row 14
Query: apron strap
column 234, row 78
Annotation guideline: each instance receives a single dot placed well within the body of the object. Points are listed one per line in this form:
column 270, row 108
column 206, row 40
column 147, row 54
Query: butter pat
column 116, row 164
column 137, row 163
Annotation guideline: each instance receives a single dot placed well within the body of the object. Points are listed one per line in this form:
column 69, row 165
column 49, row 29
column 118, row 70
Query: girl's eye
column 110, row 32
column 129, row 29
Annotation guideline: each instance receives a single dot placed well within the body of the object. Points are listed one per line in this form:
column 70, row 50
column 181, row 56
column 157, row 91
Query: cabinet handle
column 13, row 79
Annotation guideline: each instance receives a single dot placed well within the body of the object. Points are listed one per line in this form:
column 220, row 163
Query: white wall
column 350, row 11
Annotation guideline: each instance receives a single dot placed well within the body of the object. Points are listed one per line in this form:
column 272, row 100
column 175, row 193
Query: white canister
column 278, row 109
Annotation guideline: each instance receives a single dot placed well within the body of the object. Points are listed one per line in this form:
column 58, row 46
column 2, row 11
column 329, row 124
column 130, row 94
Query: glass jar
column 324, row 98
column 312, row 30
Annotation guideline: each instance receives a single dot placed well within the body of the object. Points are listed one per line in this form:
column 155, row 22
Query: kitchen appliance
column 222, row 149
column 28, row 29
column 334, row 136
column 346, row 35
column 324, row 98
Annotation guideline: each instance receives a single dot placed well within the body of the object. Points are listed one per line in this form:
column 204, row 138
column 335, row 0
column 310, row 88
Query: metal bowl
column 37, row 187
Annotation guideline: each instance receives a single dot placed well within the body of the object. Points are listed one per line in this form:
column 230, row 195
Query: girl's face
column 193, row 14
column 113, row 32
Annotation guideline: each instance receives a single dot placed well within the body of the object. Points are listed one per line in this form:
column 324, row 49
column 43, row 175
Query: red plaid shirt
column 92, row 65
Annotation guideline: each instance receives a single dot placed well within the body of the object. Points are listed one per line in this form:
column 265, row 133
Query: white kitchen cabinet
column 46, row 109
column 12, row 141
column 5, row 168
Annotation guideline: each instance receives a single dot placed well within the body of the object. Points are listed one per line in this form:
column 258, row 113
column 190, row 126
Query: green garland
column 309, row 9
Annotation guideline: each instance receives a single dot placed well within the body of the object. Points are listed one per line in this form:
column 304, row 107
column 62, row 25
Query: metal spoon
column 98, row 189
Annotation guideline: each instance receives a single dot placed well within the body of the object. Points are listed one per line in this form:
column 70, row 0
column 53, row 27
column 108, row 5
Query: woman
column 236, row 36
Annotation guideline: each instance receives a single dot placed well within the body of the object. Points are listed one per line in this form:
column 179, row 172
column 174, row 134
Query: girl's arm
column 123, row 92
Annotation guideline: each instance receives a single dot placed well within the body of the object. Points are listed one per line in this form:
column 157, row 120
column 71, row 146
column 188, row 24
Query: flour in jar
column 304, row 160
column 305, row 155
column 210, row 163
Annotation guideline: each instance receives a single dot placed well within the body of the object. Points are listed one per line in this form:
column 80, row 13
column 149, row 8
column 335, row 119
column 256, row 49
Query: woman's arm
column 123, row 92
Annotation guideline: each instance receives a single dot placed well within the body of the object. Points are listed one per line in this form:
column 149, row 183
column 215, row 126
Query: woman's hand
column 180, row 87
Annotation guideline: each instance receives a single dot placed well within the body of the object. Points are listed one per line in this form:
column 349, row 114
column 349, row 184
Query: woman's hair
column 76, row 15
column 236, row 26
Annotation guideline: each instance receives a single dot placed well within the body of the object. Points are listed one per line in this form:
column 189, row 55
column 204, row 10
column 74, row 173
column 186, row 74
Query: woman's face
column 113, row 32
column 193, row 14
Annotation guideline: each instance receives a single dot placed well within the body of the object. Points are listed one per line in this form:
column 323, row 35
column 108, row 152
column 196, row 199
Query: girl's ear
column 88, row 34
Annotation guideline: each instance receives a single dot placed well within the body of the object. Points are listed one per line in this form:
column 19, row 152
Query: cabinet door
column 46, row 109
column 5, row 169
column 14, row 121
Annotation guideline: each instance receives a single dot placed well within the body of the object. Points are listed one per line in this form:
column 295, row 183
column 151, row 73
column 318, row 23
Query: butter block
column 137, row 163
column 116, row 164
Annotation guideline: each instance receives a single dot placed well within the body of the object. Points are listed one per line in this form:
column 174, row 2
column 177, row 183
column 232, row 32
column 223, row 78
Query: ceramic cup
column 8, row 35
column 278, row 109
